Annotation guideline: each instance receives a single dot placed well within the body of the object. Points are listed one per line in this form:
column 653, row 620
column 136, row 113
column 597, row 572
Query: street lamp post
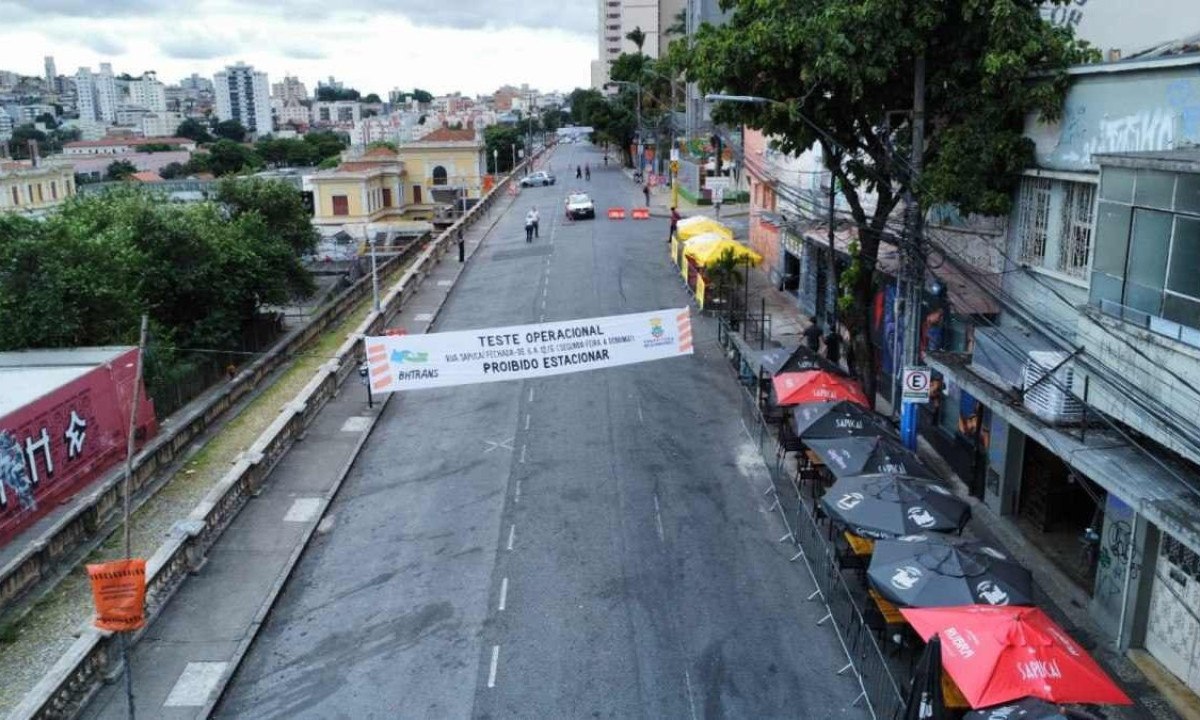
column 374, row 275
column 496, row 161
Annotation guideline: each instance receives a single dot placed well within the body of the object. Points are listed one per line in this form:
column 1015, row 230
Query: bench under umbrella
column 929, row 571
column 1000, row 654
column 891, row 506
column 816, row 421
column 868, row 455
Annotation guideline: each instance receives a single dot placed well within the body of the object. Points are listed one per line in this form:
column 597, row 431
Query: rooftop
column 110, row 142
column 1179, row 160
column 26, row 375
column 449, row 135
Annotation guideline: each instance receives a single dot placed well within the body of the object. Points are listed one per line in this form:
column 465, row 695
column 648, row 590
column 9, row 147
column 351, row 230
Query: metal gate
column 1173, row 631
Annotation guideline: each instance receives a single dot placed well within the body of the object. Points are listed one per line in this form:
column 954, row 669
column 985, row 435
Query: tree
column 422, row 96
column 193, row 129
column 848, row 66
column 227, row 157
column 157, row 147
column 552, row 119
column 678, row 26
column 120, row 170
column 637, row 36
column 372, row 98
column 18, row 144
column 383, row 144
column 331, row 94
column 230, row 130
column 499, row 141
column 326, row 144
column 48, row 120
column 278, row 205
column 172, row 171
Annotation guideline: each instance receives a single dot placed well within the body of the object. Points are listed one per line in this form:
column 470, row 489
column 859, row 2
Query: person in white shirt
column 536, row 218
column 529, row 226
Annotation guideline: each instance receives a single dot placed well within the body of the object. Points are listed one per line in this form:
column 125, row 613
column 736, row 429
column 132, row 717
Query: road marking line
column 641, row 419
column 445, row 283
column 512, row 534
column 527, row 417
column 356, row 423
column 658, row 519
column 517, row 492
column 303, row 510
column 423, row 317
column 530, row 394
column 495, row 661
column 545, row 290
column 691, row 702
column 195, row 684
column 503, row 593
column 522, row 454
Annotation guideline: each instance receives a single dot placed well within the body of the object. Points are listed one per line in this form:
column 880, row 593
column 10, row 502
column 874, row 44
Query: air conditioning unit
column 1050, row 398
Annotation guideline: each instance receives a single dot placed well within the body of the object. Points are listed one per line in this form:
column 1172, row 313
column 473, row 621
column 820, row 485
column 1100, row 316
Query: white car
column 579, row 205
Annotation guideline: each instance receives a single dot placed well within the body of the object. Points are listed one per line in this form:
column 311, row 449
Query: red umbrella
column 816, row 386
column 997, row 654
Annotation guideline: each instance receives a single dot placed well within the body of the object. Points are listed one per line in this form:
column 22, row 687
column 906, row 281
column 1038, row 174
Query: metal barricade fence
column 864, row 656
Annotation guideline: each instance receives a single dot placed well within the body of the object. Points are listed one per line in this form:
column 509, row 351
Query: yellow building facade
column 444, row 166
column 364, row 189
column 25, row 188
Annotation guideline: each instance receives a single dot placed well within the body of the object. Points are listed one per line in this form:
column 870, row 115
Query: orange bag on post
column 119, row 593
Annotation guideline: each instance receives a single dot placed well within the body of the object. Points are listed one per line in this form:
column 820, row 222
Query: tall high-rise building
column 290, row 90
column 97, row 94
column 244, row 94
column 147, row 92
column 195, row 85
column 618, row 18
column 51, row 71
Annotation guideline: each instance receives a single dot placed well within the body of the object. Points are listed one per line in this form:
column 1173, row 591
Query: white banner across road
column 416, row 362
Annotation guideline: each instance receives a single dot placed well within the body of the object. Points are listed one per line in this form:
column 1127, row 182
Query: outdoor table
column 813, row 459
column 860, row 546
column 891, row 614
column 952, row 697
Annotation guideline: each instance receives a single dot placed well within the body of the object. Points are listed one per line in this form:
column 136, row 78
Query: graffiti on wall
column 1069, row 15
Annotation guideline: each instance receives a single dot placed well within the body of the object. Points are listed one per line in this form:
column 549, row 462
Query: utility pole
column 833, row 274
column 914, row 267
column 126, row 489
column 374, row 275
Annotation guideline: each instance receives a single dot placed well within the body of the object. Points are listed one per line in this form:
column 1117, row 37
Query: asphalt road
column 590, row 545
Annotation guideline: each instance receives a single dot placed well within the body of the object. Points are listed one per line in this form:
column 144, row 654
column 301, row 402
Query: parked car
column 580, row 206
column 540, row 177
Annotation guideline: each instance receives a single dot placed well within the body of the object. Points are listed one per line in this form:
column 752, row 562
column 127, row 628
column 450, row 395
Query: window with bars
column 1033, row 222
column 1078, row 220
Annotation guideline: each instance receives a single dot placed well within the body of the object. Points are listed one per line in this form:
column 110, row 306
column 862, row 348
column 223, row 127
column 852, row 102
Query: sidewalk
column 660, row 202
column 185, row 659
column 1063, row 600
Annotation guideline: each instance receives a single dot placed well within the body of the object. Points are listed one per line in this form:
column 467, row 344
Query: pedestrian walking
column 587, row 172
column 578, row 172
column 606, row 160
column 536, row 218
column 675, row 218
column 646, row 192
column 462, row 248
column 833, row 344
column 812, row 335
column 529, row 226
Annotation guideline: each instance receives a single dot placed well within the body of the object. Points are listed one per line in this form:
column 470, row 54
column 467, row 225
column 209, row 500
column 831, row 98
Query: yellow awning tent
column 691, row 227
column 706, row 248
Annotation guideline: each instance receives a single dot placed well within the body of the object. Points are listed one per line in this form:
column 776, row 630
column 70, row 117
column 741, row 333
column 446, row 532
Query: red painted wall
column 63, row 442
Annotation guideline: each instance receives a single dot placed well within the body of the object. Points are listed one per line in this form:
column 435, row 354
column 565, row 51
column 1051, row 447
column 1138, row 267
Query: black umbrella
column 1027, row 709
column 924, row 701
column 863, row 455
column 838, row 420
column 924, row 571
column 890, row 506
column 796, row 359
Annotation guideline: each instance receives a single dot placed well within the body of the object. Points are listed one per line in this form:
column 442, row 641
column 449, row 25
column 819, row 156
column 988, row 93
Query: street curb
column 285, row 574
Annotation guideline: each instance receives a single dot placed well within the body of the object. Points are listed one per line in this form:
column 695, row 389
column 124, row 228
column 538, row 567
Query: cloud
column 102, row 43
column 93, row 8
column 573, row 16
column 303, row 52
column 193, row 46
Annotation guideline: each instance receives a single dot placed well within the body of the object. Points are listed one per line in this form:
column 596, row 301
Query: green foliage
column 157, row 147
column 328, row 163
column 193, row 129
column 372, row 98
column 500, row 139
column 326, row 144
column 230, row 130
column 120, row 170
column 201, row 271
column 422, row 96
column 552, row 119
column 174, row 170
column 329, row 94
column 637, row 36
column 848, row 67
column 226, row 157
column 48, row 120
column 384, row 144
column 277, row 203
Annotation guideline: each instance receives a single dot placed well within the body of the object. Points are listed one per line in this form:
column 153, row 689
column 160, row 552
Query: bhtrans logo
column 849, row 501
column 921, row 517
column 403, row 356
column 906, row 577
column 991, row 593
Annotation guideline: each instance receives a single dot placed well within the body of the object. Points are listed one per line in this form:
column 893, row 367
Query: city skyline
column 473, row 50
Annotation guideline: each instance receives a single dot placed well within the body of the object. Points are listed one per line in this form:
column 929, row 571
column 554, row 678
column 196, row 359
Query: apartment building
column 97, row 95
column 243, row 94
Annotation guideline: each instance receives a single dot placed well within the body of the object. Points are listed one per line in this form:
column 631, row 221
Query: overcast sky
column 473, row 46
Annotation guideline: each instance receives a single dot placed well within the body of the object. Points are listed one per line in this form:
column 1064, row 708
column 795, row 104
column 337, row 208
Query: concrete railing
column 94, row 657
